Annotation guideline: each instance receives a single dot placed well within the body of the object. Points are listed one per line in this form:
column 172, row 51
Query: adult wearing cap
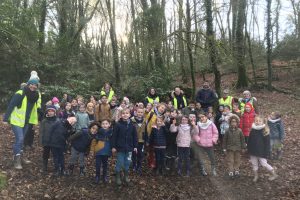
column 206, row 96
column 226, row 100
column 248, row 99
column 108, row 91
column 21, row 112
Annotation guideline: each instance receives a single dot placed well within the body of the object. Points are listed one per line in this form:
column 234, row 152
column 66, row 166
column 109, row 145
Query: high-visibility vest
column 18, row 115
column 110, row 95
column 175, row 103
column 151, row 100
column 242, row 105
column 227, row 102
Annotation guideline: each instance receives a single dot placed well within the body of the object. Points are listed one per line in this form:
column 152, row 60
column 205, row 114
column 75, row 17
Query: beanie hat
column 51, row 107
column 34, row 79
column 55, row 100
column 33, row 82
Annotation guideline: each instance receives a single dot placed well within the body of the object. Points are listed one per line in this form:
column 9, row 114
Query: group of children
column 99, row 129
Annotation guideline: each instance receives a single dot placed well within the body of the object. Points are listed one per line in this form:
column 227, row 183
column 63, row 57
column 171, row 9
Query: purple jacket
column 208, row 134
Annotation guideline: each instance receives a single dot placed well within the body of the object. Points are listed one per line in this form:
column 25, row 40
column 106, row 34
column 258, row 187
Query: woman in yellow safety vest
column 248, row 99
column 179, row 100
column 226, row 100
column 21, row 112
column 151, row 97
column 108, row 91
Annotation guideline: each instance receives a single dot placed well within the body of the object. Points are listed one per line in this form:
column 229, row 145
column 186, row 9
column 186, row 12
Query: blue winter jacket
column 276, row 129
column 158, row 137
column 124, row 138
column 206, row 97
column 105, row 136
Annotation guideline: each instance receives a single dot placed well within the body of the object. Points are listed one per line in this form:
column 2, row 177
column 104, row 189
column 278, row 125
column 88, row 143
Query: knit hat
column 51, row 107
column 33, row 82
column 34, row 79
column 55, row 100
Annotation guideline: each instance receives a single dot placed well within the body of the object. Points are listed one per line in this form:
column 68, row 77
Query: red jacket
column 247, row 120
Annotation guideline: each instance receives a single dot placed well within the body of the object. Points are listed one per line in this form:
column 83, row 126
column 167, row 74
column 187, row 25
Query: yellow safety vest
column 18, row 115
column 175, row 103
column 242, row 105
column 227, row 102
column 150, row 100
column 111, row 94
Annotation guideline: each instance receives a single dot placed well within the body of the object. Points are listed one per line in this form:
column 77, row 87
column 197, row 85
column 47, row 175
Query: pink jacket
column 184, row 138
column 208, row 134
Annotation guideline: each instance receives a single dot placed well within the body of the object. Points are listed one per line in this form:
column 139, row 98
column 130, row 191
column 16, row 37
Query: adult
column 178, row 99
column 108, row 91
column 151, row 97
column 226, row 100
column 248, row 99
column 22, row 112
column 206, row 96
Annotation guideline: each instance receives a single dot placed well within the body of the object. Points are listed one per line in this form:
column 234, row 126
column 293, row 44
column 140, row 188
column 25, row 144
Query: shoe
column 126, row 178
column 231, row 175
column 25, row 160
column 255, row 176
column 118, row 179
column 81, row 172
column 273, row 176
column 237, row 173
column 203, row 172
column 105, row 179
column 213, row 172
column 97, row 179
column 17, row 162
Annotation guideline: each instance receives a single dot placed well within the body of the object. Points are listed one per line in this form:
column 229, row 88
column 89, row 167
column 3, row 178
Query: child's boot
column 279, row 154
column 202, row 170
column 273, row 175
column 255, row 176
column 81, row 172
column 213, row 171
column 118, row 179
column 237, row 174
column 231, row 175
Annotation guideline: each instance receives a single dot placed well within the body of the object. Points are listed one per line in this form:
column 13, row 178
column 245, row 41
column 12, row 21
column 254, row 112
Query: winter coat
column 101, row 144
column 276, row 129
column 158, row 137
column 140, row 126
column 258, row 143
column 206, row 97
column 124, row 138
column 208, row 134
column 81, row 140
column 246, row 121
column 224, row 124
column 183, row 138
column 234, row 140
column 82, row 120
column 102, row 111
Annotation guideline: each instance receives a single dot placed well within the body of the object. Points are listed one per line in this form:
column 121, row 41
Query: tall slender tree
column 269, row 44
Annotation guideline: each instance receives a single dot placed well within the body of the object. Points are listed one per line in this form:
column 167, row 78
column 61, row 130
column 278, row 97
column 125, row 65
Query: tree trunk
column 114, row 44
column 212, row 46
column 41, row 39
column 180, row 42
column 240, row 48
column 234, row 6
column 136, row 35
column 269, row 45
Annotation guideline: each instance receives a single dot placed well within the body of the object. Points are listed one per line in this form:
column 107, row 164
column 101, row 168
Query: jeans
column 19, row 138
column 74, row 157
column 160, row 157
column 29, row 136
column 137, row 158
column 58, row 158
column 101, row 160
column 210, row 152
column 184, row 156
column 123, row 161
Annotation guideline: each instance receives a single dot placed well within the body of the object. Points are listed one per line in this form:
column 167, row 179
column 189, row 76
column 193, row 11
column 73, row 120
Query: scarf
column 258, row 127
column 185, row 127
column 204, row 125
column 274, row 120
column 32, row 96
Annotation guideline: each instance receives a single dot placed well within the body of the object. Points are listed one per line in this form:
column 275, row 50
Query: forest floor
column 29, row 183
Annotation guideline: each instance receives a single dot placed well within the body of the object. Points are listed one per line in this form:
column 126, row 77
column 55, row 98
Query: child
column 74, row 104
column 90, row 108
column 183, row 140
column 117, row 114
column 159, row 143
column 236, row 109
column 82, row 118
column 67, row 112
column 259, row 147
column 276, row 134
column 53, row 133
column 205, row 139
column 101, row 149
column 233, row 143
column 80, row 142
column 102, row 110
column 140, row 125
column 124, row 141
column 218, row 117
column 224, row 123
column 55, row 102
column 247, row 120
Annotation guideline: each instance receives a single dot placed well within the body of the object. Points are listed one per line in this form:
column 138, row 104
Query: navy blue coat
column 206, row 97
column 124, row 138
column 158, row 137
column 258, row 144
column 82, row 140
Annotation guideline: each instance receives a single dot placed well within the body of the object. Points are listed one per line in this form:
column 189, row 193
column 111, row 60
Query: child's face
column 68, row 106
column 167, row 114
column 140, row 113
column 192, row 106
column 247, row 108
column 113, row 102
column 123, row 105
column 82, row 108
column 203, row 118
column 198, row 105
column 90, row 106
column 272, row 116
column 210, row 109
column 170, row 104
column 105, row 124
column 184, row 120
column 192, row 117
column 125, row 114
column 221, row 108
column 258, row 121
column 104, row 99
column 80, row 101
column 94, row 129
column 159, row 122
column 174, row 114
column 161, row 109
column 226, row 110
column 233, row 123
column 235, row 107
column 74, row 102
column 51, row 113
column 149, row 107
